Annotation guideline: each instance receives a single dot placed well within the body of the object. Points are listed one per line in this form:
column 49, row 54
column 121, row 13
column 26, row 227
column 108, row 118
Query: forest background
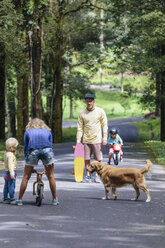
column 53, row 52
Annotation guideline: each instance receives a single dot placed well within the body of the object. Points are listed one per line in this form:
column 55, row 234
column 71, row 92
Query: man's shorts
column 46, row 155
column 95, row 149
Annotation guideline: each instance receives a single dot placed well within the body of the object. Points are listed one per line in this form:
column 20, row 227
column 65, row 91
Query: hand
column 104, row 143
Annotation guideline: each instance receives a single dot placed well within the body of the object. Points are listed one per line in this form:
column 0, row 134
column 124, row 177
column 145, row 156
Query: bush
column 158, row 150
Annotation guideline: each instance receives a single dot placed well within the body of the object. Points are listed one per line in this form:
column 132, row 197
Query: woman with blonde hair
column 38, row 145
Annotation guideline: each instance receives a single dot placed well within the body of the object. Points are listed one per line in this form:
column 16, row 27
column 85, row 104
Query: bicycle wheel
column 116, row 159
column 39, row 196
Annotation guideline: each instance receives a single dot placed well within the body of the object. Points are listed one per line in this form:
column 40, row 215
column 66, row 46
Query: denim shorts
column 46, row 155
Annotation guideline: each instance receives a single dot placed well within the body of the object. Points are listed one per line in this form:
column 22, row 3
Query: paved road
column 82, row 219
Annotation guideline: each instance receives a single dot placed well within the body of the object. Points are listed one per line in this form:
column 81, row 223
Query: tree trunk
column 71, row 107
column 57, row 106
column 20, row 110
column 162, row 129
column 101, row 43
column 12, row 109
column 2, row 91
column 9, row 133
column 158, row 93
column 25, row 100
column 122, row 79
column 35, row 57
column 58, row 83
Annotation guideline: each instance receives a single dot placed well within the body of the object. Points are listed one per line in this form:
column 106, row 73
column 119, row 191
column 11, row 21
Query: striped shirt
column 37, row 138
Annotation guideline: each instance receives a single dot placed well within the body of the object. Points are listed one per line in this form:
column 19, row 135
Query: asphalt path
column 83, row 219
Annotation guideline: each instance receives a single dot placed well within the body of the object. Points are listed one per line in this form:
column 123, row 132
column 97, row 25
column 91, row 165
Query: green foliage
column 111, row 102
column 148, row 129
column 72, row 82
column 158, row 150
column 69, row 134
column 2, row 149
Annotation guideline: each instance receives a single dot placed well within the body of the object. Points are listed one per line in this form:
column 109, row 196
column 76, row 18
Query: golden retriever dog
column 113, row 177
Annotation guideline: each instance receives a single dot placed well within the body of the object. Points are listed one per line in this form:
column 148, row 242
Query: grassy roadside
column 149, row 133
column 117, row 105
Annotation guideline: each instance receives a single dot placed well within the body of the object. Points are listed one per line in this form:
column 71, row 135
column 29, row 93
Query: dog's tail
column 147, row 167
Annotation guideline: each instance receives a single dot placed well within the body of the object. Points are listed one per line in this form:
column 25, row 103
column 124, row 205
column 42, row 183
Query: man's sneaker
column 97, row 179
column 88, row 179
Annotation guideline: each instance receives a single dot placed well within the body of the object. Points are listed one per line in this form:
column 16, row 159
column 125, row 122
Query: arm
column 26, row 140
column 104, row 125
column 110, row 142
column 51, row 139
column 11, row 165
column 121, row 141
column 80, row 125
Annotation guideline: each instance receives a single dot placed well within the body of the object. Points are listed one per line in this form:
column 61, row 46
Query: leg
column 137, row 192
column 107, row 189
column 110, row 154
column 144, row 188
column 86, row 164
column 5, row 190
column 114, row 193
column 27, row 174
column 109, row 160
column 12, row 189
column 52, row 182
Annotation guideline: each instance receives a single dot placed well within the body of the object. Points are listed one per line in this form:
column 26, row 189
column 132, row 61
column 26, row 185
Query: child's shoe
column 6, row 201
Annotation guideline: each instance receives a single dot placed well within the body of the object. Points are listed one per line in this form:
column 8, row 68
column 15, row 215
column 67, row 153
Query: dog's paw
column 134, row 199
column 148, row 200
column 104, row 198
column 115, row 198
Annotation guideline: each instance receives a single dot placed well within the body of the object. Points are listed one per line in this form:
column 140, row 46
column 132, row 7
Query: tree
column 8, row 37
column 58, row 45
column 2, row 90
column 147, row 41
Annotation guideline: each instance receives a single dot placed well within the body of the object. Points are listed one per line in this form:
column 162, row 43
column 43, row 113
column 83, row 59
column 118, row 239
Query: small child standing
column 114, row 138
column 10, row 170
